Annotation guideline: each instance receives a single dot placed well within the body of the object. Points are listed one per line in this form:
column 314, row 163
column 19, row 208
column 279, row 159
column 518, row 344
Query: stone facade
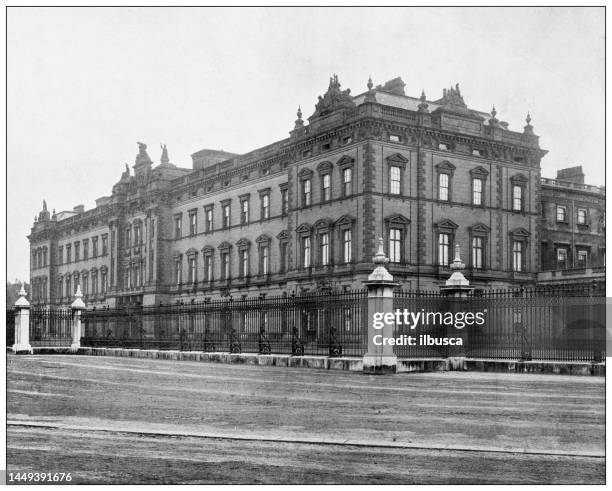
column 425, row 175
column 573, row 240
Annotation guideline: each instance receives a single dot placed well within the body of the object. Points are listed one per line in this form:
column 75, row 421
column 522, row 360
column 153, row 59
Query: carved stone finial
column 44, row 205
column 299, row 122
column 78, row 299
column 164, row 156
column 370, row 84
column 380, row 273
column 423, row 104
column 493, row 111
column 528, row 118
column 22, row 301
column 380, row 257
column 528, row 129
column 457, row 264
column 299, row 112
column 423, row 95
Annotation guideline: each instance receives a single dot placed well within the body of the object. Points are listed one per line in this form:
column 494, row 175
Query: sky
column 85, row 84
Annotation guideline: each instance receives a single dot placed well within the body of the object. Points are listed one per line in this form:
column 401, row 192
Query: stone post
column 380, row 358
column 77, row 307
column 22, row 324
column 457, row 288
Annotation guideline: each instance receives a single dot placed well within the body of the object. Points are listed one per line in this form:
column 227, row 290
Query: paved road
column 114, row 420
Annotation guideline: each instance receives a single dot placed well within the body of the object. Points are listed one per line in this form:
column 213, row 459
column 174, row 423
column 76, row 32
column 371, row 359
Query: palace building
column 305, row 213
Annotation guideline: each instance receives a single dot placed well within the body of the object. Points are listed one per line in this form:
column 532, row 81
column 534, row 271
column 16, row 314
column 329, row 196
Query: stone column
column 22, row 324
column 380, row 358
column 77, row 307
column 457, row 288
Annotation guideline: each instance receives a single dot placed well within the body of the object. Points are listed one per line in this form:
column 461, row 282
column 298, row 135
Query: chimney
column 79, row 209
column 571, row 174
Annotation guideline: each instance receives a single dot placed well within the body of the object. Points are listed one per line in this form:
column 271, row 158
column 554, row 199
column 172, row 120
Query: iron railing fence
column 317, row 324
column 50, row 326
column 541, row 323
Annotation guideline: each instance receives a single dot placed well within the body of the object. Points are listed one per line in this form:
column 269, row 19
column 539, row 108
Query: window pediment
column 284, row 235
column 305, row 174
column 345, row 220
column 397, row 219
column 519, row 233
column 243, row 243
column 398, row 160
column 479, row 172
column 208, row 250
column 304, row 228
column 323, row 223
column 480, row 229
column 345, row 161
column 446, row 224
column 191, row 252
column 519, row 179
column 224, row 246
column 263, row 239
column 445, row 167
column 324, row 167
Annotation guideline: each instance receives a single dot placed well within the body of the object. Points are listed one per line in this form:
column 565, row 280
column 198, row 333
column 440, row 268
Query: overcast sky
column 85, row 84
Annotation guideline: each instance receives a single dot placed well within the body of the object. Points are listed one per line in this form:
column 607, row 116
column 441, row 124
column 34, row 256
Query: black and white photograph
column 294, row 245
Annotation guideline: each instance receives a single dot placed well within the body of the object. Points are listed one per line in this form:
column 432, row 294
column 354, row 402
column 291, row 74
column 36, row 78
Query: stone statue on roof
column 143, row 156
column 164, row 156
column 333, row 99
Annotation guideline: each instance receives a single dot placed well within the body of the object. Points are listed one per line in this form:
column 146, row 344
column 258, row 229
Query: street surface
column 123, row 420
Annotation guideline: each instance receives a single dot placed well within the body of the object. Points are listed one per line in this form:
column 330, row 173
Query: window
column 77, row 247
column 395, row 245
column 283, row 257
column 94, row 282
column 193, row 222
column 325, row 187
column 94, row 247
column 561, row 213
column 244, row 263
column 306, row 192
column 85, row 249
column 178, row 271
column 443, row 249
column 137, row 235
column 104, row 245
column 225, row 266
column 85, row 285
column 264, row 253
column 152, row 229
column 244, row 211
column 284, row 202
column 208, row 267
column 477, row 191
column 103, row 281
column 347, row 245
column 226, row 216
column 582, row 216
column 209, row 219
column 178, row 223
column 44, row 253
column 561, row 258
column 60, row 288
column 306, row 252
column 517, row 198
column 265, row 206
column 517, row 255
column 477, row 252
column 443, row 185
column 582, row 258
column 324, row 244
column 68, row 286
column 68, row 253
column 193, row 265
column 128, row 236
column 395, row 185
column 347, row 181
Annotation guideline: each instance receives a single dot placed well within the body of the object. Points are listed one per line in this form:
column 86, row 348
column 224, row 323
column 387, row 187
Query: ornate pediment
column 398, row 160
column 207, row 250
column 323, row 223
column 191, row 251
column 480, row 229
column 304, row 228
column 397, row 219
column 345, row 160
column 451, row 97
column 243, row 243
column 447, row 224
column 519, row 232
column 518, row 179
column 305, row 174
column 479, row 172
column 224, row 246
column 345, row 220
column 333, row 100
column 263, row 239
column 284, row 235
column 445, row 166
column 324, row 166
